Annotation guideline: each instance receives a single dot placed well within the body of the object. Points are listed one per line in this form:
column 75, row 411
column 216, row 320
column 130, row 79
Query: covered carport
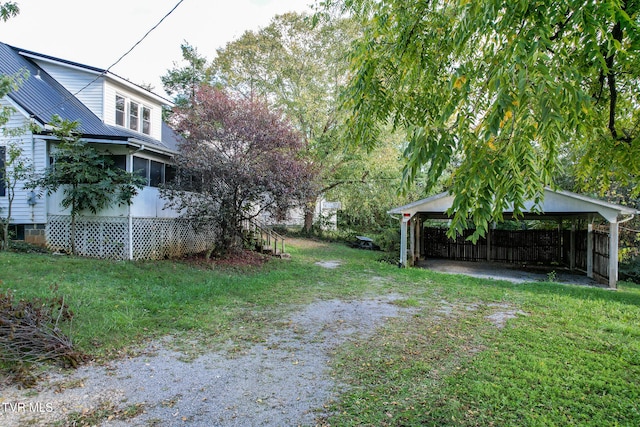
column 596, row 253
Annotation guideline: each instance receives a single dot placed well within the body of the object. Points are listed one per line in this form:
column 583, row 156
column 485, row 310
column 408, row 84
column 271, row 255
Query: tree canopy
column 299, row 68
column 503, row 91
column 181, row 82
column 8, row 9
column 238, row 159
column 9, row 83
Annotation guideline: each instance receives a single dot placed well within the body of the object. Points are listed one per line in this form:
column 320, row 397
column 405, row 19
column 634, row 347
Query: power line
column 104, row 72
column 145, row 36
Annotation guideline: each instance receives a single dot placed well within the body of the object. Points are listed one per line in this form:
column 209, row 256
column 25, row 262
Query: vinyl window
column 133, row 115
column 155, row 173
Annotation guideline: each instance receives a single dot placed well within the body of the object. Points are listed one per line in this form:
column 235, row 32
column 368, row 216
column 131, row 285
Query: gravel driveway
column 283, row 381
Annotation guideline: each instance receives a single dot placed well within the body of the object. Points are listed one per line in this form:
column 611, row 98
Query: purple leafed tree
column 238, row 159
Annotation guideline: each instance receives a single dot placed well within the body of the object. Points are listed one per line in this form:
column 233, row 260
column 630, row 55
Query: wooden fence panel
column 601, row 254
column 515, row 246
column 521, row 247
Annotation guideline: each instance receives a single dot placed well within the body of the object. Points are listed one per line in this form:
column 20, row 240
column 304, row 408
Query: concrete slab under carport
column 556, row 204
column 508, row 272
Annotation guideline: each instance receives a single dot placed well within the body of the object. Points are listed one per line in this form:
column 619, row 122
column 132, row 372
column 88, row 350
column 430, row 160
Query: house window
column 146, row 120
column 133, row 115
column 155, row 173
column 120, row 109
column 118, row 161
column 141, row 168
column 3, row 151
column 169, row 173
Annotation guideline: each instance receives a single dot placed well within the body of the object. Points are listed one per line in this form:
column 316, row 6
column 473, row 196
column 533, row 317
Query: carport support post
column 613, row 254
column 412, row 241
column 403, row 243
column 418, row 238
column 560, row 241
column 572, row 246
column 590, row 250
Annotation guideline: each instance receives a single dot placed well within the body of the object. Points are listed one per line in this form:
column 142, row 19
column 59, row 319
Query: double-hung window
column 120, row 110
column 133, row 115
column 146, row 120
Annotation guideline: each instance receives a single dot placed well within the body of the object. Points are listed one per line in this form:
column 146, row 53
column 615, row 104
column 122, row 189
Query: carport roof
column 556, row 203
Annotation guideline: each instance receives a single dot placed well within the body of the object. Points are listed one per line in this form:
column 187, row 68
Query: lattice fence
column 156, row 238
column 108, row 237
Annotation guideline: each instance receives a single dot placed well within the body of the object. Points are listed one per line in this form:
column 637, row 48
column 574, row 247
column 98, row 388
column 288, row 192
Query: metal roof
column 42, row 97
column 556, row 203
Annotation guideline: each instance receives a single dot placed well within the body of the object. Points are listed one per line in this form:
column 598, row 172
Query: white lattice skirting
column 109, row 237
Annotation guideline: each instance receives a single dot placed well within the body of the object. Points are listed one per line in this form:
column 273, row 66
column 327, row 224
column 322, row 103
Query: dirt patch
column 307, row 243
column 244, row 259
column 282, row 381
column 499, row 314
column 329, row 264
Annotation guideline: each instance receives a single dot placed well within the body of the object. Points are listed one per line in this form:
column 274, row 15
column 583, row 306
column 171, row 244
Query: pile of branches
column 30, row 331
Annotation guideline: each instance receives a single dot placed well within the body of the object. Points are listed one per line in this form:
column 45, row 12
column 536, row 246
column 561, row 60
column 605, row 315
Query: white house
column 121, row 118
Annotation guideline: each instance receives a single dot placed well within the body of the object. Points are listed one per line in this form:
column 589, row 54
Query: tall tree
column 237, row 160
column 8, row 83
column 181, row 82
column 12, row 165
column 14, row 168
column 300, row 68
column 506, row 86
column 88, row 179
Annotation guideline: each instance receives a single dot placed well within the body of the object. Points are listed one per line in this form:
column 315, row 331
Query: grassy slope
column 573, row 359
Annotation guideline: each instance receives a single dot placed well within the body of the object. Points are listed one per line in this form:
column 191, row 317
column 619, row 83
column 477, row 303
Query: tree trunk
column 72, row 231
column 6, row 240
column 309, row 210
column 4, row 244
column 72, row 235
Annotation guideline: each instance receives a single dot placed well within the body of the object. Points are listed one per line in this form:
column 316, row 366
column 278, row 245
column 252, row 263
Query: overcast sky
column 97, row 33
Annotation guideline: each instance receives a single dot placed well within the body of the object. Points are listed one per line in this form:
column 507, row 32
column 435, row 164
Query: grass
column 571, row 357
column 574, row 359
column 119, row 304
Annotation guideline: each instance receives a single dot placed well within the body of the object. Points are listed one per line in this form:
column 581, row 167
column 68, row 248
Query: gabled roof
column 94, row 70
column 41, row 96
column 556, row 203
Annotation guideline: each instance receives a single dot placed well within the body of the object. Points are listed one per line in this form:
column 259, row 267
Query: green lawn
column 571, row 358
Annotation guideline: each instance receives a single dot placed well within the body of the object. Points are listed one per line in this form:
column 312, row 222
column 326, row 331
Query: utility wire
column 118, row 60
column 143, row 37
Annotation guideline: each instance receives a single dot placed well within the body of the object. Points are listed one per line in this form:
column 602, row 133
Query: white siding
column 34, row 152
column 148, row 204
column 75, row 80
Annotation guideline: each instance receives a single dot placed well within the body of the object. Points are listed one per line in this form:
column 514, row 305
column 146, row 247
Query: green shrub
column 630, row 271
column 27, row 248
column 389, row 240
